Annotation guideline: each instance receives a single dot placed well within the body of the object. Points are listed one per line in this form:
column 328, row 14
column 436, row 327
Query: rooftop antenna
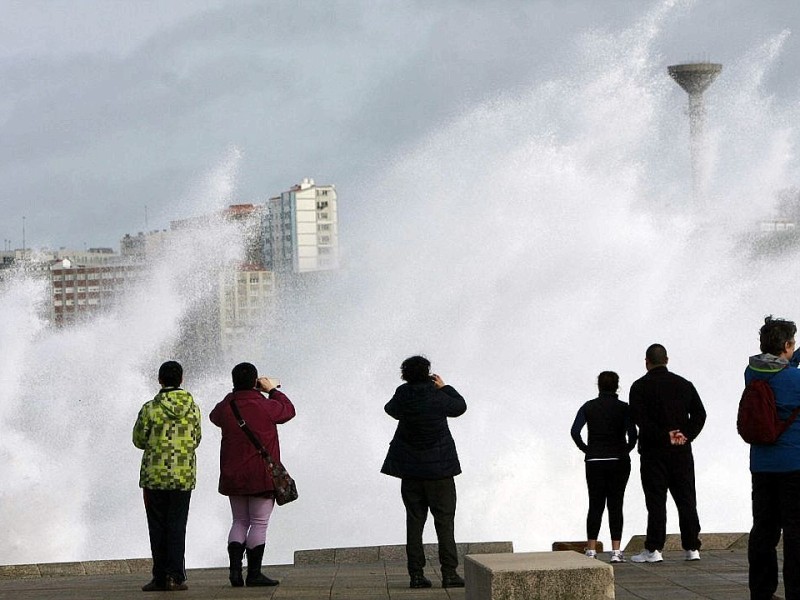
column 23, row 238
column 695, row 78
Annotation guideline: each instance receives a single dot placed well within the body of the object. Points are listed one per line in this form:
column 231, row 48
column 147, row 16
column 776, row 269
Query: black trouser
column 776, row 507
column 438, row 495
column 167, row 512
column 673, row 471
column 606, row 481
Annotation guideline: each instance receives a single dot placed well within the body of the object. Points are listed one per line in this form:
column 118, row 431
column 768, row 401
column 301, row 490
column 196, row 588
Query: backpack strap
column 788, row 422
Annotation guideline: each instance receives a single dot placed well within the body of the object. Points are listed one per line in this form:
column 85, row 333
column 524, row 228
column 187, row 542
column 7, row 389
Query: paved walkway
column 720, row 575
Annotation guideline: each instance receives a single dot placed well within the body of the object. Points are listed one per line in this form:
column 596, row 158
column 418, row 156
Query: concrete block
column 140, row 565
column 392, row 553
column 710, row 541
column 64, row 569
column 315, row 557
column 575, row 546
column 106, row 567
column 489, row 547
column 537, row 576
column 19, row 572
column 365, row 554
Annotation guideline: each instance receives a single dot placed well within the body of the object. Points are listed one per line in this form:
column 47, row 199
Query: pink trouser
column 250, row 519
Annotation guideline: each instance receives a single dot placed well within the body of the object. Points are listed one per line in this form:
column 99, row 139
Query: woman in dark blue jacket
column 608, row 464
column 775, row 468
column 423, row 455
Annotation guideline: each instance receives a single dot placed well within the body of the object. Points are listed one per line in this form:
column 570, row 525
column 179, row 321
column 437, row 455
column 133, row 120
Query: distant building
column 78, row 290
column 143, row 245
column 247, row 217
column 301, row 229
column 776, row 225
column 246, row 299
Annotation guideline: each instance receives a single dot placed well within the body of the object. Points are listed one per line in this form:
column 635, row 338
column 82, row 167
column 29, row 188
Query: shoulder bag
column 285, row 487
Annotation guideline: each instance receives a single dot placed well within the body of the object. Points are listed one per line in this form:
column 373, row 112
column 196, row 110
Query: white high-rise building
column 301, row 229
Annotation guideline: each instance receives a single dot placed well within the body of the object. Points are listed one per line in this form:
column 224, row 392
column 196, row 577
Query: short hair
column 774, row 334
column 656, row 354
column 416, row 369
column 608, row 381
column 244, row 376
column 170, row 374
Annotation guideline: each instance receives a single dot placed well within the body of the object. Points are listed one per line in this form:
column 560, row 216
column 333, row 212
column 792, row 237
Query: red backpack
column 757, row 421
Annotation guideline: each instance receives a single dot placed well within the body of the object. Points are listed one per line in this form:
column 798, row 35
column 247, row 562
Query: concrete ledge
column 711, row 541
column 391, row 553
column 68, row 569
column 579, row 546
column 560, row 575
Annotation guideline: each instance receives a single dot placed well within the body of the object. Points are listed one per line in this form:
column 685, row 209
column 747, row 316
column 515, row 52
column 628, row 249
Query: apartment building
column 80, row 290
column 246, row 299
column 301, row 229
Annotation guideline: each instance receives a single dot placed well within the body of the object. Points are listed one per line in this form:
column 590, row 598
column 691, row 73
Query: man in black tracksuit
column 670, row 415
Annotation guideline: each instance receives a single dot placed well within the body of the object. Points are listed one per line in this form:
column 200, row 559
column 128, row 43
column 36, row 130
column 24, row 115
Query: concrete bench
column 537, row 576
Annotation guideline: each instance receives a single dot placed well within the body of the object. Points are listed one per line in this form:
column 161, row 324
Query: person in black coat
column 423, row 455
column 612, row 435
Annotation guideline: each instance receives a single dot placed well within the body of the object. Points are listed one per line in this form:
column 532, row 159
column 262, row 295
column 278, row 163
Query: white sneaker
column 591, row 554
column 647, row 556
column 617, row 556
column 693, row 555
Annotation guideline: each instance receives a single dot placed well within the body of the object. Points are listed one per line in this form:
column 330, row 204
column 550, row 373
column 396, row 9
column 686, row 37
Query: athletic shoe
column 693, row 555
column 617, row 556
column 591, row 554
column 647, row 556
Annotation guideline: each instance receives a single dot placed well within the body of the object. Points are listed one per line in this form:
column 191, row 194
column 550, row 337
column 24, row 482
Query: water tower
column 695, row 78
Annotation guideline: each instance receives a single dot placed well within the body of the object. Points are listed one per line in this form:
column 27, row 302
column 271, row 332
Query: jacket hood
column 767, row 362
column 175, row 402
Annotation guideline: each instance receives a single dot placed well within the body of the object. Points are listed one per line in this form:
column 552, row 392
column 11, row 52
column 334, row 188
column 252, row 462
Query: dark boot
column 235, row 554
column 451, row 579
column 255, row 578
column 419, row 581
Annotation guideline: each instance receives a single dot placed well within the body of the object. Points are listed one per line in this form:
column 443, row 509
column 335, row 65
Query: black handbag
column 285, row 486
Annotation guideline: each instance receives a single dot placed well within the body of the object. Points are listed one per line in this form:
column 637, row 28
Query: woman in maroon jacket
column 243, row 475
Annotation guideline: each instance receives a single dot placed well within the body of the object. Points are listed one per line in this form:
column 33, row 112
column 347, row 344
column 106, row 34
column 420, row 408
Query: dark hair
column 608, row 381
column 244, row 376
column 416, row 369
column 656, row 354
column 170, row 374
column 775, row 333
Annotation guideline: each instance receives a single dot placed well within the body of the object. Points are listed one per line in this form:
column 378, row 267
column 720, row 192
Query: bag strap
column 250, row 435
column 787, row 423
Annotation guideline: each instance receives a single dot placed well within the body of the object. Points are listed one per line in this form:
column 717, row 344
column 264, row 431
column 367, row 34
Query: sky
column 113, row 113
